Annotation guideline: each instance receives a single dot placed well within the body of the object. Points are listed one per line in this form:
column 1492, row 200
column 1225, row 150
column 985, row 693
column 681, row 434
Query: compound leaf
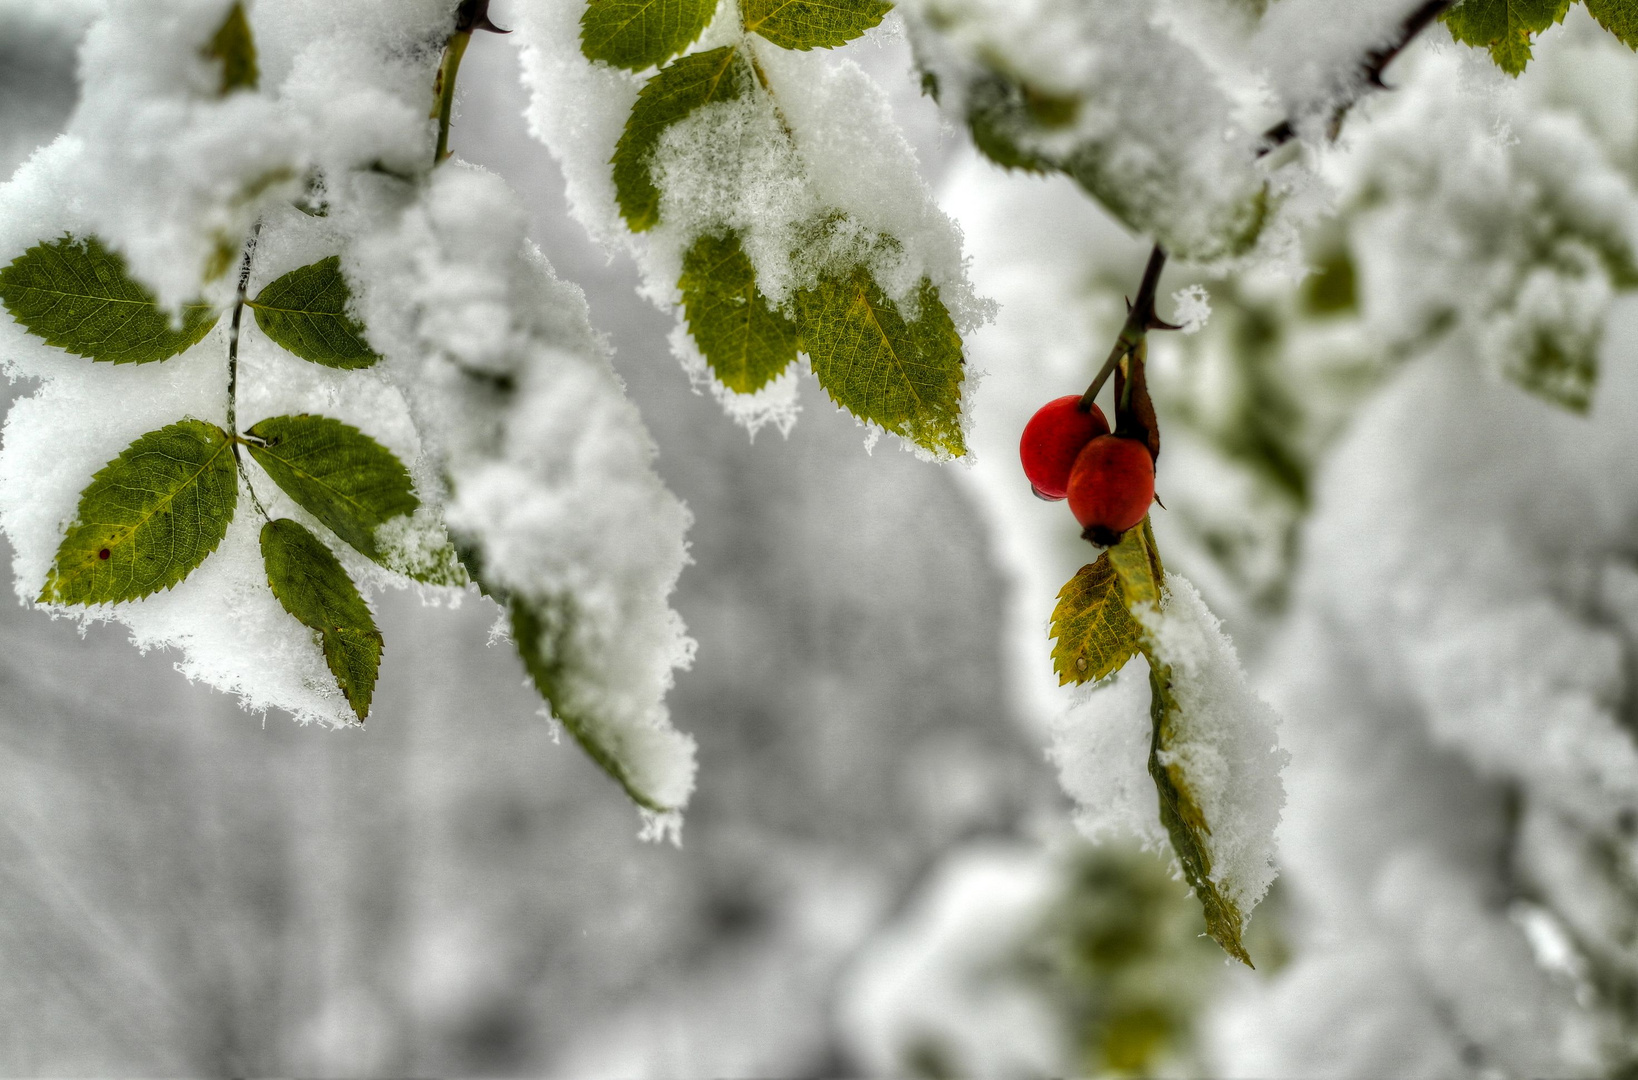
column 148, row 518
column 905, row 376
column 305, row 311
column 335, row 472
column 1505, row 27
column 309, row 582
column 746, row 342
column 1619, row 17
column 669, row 96
column 812, row 24
column 76, row 295
column 233, row 45
column 636, row 34
column 1095, row 633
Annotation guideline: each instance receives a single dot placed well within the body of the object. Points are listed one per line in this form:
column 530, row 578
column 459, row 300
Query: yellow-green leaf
column 234, row 46
column 335, row 472
column 812, row 24
column 1505, row 27
column 77, row 295
column 1136, row 562
column 746, row 342
column 636, row 34
column 312, row 586
column 305, row 311
column 1095, row 633
column 904, row 375
column 669, row 95
column 148, row 518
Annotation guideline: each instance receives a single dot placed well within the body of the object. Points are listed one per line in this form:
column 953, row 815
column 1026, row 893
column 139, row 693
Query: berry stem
column 1140, row 319
column 471, row 15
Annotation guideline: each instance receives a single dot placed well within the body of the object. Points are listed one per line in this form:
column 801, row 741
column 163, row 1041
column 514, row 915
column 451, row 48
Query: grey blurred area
column 188, row 889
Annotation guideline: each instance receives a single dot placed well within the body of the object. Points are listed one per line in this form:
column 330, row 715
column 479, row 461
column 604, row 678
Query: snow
column 812, row 173
column 1224, row 741
column 931, row 986
column 1101, row 748
column 553, row 484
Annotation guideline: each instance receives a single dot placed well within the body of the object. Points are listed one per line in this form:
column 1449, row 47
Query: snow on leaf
column 1619, row 17
column 310, row 583
column 1505, row 27
column 904, row 375
column 305, row 311
column 744, row 339
column 636, row 34
column 1212, row 744
column 1095, row 633
column 77, row 295
column 669, row 95
column 1185, row 824
column 335, row 472
column 148, row 518
column 234, row 46
column 543, row 633
column 812, row 24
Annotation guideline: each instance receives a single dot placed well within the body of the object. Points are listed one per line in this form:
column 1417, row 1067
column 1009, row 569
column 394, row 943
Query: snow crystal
column 1193, row 308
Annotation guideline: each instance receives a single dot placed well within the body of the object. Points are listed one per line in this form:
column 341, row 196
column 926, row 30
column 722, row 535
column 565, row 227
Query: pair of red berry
column 1109, row 480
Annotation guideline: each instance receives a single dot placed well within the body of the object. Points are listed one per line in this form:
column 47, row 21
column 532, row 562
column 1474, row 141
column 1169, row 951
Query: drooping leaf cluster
column 154, row 513
column 1098, row 626
column 896, row 363
column 1508, row 27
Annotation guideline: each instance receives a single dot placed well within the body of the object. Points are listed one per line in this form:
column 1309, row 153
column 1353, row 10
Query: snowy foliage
column 310, row 124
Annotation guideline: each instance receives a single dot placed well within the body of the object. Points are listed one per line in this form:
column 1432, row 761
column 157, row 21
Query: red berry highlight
column 1111, row 487
column 1052, row 438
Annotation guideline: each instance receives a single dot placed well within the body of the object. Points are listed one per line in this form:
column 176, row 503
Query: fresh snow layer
column 820, row 145
column 555, row 488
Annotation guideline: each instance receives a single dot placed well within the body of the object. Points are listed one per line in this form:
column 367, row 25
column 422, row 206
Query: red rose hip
column 1111, row 487
column 1054, row 435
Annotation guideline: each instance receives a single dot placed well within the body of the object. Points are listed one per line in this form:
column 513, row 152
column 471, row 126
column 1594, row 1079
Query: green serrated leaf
column 542, row 631
column 335, row 472
column 1094, row 631
column 746, row 342
column 669, row 95
column 1185, row 824
column 148, row 517
column 636, row 34
column 904, row 376
column 305, row 311
column 1505, row 27
column 234, row 46
column 996, row 115
column 309, row 582
column 1619, row 17
column 77, row 295
column 811, row 24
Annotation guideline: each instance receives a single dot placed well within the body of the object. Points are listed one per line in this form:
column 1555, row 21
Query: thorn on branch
column 474, row 15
